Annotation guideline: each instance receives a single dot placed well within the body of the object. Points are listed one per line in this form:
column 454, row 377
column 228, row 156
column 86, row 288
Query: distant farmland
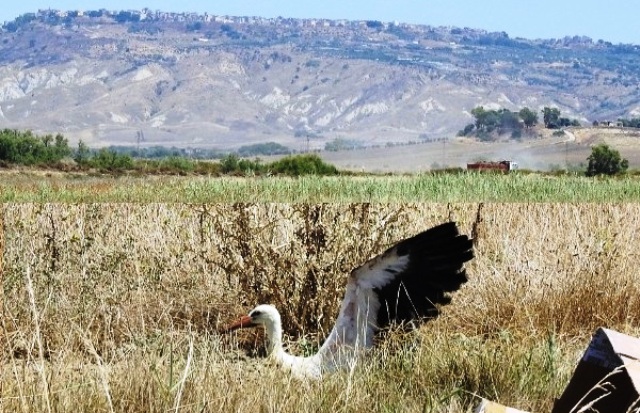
column 544, row 154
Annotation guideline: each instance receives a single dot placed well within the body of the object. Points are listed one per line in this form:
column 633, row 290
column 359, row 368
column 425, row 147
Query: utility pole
column 139, row 138
column 444, row 152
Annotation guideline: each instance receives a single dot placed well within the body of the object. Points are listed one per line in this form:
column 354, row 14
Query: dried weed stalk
column 150, row 283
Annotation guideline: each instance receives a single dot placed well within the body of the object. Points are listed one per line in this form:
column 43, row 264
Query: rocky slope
column 146, row 78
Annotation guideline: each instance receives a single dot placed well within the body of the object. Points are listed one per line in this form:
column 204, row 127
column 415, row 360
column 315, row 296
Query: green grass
column 455, row 187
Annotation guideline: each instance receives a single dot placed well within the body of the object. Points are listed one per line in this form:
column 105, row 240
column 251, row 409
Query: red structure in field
column 504, row 166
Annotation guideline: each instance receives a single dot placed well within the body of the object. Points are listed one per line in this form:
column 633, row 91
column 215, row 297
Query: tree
column 481, row 116
column 564, row 122
column 61, row 147
column 127, row 16
column 550, row 117
column 467, row 130
column 486, row 120
column 374, row 24
column 529, row 117
column 509, row 120
column 82, row 153
column 605, row 161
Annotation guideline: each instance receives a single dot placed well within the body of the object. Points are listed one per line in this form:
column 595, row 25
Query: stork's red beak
column 244, row 322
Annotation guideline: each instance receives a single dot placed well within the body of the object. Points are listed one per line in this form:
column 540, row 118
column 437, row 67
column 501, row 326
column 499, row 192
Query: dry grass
column 114, row 307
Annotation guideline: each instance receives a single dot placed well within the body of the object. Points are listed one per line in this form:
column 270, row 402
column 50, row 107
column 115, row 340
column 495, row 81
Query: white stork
column 405, row 283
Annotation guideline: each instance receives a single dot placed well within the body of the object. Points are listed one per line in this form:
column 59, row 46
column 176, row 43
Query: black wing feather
column 435, row 268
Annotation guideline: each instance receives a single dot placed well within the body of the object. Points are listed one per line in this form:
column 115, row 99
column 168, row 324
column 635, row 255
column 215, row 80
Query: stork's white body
column 334, row 354
column 402, row 284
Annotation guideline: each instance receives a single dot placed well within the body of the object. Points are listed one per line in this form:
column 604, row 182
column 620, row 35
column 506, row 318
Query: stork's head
column 264, row 314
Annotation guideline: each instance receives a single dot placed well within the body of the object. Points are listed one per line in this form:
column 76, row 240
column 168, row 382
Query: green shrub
column 109, row 160
column 232, row 163
column 303, row 165
column 605, row 161
column 229, row 163
column 177, row 163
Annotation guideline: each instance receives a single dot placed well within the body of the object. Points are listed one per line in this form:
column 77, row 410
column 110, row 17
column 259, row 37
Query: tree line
column 630, row 123
column 25, row 148
column 158, row 152
column 491, row 122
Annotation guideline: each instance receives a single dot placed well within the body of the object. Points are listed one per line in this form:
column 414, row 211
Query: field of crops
column 430, row 187
column 115, row 306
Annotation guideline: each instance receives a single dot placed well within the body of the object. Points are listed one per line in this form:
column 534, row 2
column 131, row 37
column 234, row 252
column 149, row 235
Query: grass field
column 114, row 306
column 436, row 187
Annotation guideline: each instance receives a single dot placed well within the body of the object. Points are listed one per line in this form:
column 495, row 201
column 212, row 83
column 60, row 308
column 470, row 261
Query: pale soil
column 545, row 153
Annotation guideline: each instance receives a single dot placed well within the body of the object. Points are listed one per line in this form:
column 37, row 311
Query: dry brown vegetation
column 114, row 307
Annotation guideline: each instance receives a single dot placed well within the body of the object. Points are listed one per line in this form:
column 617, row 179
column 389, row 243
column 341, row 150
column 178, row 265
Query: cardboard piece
column 607, row 378
column 487, row 406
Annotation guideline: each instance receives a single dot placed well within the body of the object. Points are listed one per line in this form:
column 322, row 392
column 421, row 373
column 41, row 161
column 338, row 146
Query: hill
column 153, row 78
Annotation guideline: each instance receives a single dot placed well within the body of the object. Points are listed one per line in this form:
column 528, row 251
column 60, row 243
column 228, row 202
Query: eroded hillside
column 211, row 81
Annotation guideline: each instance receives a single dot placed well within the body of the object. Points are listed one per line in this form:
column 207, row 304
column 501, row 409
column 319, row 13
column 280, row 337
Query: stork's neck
column 273, row 330
column 301, row 367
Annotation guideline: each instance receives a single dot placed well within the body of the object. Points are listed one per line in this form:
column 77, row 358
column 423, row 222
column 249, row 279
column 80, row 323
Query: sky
column 615, row 21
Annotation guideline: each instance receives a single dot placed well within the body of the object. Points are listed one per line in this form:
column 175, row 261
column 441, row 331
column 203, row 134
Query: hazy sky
column 617, row 21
